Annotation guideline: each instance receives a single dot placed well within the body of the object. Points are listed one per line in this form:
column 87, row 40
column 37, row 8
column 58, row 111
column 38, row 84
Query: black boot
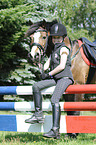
column 38, row 115
column 54, row 132
column 73, row 113
column 72, row 135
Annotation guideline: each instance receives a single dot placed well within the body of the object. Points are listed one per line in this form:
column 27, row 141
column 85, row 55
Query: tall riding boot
column 38, row 115
column 72, row 135
column 54, row 132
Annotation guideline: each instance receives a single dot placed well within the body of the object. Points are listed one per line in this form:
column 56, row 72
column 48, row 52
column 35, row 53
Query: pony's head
column 38, row 42
column 38, row 33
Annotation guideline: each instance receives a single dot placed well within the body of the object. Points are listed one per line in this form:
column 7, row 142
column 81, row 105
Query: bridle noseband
column 38, row 45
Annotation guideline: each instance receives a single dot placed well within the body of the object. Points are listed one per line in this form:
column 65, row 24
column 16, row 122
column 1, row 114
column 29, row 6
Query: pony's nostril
column 36, row 57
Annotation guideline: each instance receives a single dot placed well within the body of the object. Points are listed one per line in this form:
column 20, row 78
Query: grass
column 19, row 138
column 14, row 138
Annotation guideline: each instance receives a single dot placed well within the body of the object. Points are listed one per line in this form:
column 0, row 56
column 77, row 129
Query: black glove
column 45, row 76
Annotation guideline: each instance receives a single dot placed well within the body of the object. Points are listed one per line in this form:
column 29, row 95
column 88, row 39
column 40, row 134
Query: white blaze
column 36, row 37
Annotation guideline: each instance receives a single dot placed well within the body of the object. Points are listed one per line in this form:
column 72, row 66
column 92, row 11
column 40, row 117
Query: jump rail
column 46, row 106
column 68, row 124
column 27, row 90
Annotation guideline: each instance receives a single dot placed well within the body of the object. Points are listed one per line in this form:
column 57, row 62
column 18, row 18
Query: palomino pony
column 40, row 44
column 82, row 69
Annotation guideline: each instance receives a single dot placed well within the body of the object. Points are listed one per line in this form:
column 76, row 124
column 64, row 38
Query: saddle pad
column 89, row 49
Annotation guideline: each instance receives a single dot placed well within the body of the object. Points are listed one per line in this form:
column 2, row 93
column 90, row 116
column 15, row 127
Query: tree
column 79, row 16
column 14, row 22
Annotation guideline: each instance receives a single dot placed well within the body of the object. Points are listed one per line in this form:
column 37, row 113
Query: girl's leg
column 37, row 87
column 54, row 132
column 61, row 86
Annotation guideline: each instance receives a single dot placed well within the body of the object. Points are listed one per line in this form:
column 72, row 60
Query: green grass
column 19, row 138
column 14, row 138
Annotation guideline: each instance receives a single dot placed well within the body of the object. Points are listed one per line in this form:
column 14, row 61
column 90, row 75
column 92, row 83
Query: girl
column 60, row 76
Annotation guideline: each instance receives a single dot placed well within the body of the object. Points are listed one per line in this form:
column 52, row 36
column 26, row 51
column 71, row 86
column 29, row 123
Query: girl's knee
column 35, row 87
column 54, row 101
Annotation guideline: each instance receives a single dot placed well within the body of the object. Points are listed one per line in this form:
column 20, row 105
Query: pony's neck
column 74, row 48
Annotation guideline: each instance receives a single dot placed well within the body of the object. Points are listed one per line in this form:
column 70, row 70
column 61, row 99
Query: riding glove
column 45, row 76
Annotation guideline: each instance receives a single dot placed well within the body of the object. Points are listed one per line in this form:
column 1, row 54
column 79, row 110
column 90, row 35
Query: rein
column 76, row 52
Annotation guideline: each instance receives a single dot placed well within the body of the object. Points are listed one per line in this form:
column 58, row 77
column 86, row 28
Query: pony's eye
column 44, row 37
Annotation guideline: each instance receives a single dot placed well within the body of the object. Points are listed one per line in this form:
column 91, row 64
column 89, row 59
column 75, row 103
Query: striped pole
column 68, row 124
column 27, row 90
column 46, row 106
column 81, row 89
column 26, row 106
column 79, row 106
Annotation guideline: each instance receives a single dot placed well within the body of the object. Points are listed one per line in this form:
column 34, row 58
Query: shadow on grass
column 31, row 137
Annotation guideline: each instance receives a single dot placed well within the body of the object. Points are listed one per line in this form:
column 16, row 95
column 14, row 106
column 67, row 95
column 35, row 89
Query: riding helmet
column 58, row 30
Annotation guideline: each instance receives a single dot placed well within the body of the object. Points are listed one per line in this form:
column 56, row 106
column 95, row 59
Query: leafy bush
column 14, row 22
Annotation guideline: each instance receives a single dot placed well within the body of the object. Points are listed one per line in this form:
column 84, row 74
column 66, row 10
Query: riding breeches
column 60, row 87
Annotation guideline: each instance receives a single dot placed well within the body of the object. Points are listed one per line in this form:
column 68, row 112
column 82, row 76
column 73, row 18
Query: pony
column 40, row 46
column 82, row 69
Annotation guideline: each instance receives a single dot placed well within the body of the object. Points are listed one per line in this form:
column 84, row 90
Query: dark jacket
column 55, row 61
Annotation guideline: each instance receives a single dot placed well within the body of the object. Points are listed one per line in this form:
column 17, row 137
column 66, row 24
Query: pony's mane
column 48, row 25
column 34, row 27
column 43, row 24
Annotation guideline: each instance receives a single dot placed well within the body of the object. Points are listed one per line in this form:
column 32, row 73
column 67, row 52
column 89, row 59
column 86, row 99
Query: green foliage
column 11, row 3
column 14, row 19
column 78, row 15
column 75, row 34
column 25, row 74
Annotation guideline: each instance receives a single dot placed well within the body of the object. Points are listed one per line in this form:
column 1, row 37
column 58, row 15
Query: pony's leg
column 78, row 97
column 93, row 81
column 73, row 98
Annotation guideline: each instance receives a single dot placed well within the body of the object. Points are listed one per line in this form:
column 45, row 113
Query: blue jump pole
column 8, row 90
column 7, row 106
column 15, row 90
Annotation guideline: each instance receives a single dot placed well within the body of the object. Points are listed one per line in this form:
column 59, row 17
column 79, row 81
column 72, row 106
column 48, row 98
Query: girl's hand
column 45, row 76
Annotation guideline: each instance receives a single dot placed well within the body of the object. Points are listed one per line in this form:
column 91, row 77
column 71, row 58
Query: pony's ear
column 60, row 21
column 44, row 20
column 44, row 23
column 30, row 22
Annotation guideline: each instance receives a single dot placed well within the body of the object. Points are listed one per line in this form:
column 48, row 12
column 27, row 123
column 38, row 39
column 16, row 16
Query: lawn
column 14, row 138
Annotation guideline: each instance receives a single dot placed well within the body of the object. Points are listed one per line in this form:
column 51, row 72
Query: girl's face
column 57, row 39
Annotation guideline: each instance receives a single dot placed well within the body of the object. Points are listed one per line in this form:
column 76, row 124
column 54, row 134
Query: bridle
column 40, row 47
column 37, row 44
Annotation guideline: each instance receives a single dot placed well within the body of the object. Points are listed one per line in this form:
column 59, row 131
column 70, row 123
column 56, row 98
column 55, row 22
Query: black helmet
column 58, row 30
